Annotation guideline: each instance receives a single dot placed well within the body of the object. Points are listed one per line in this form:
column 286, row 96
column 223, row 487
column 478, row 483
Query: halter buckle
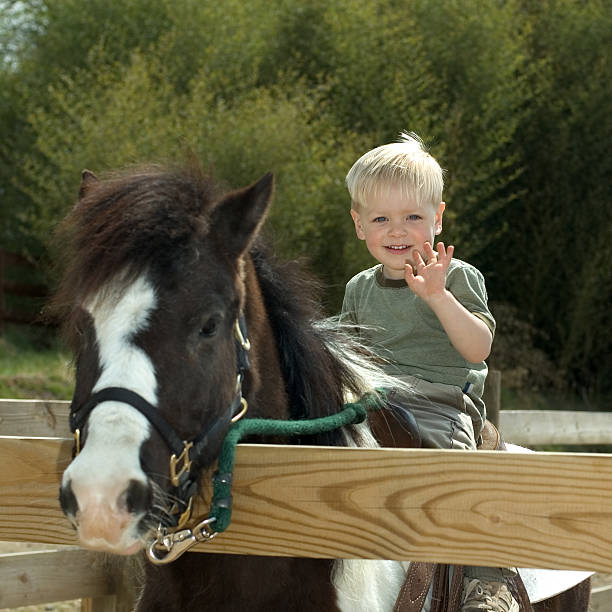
column 77, row 441
column 174, row 461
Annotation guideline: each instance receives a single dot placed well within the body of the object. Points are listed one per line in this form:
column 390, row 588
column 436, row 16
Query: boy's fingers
column 445, row 254
column 418, row 259
column 429, row 250
column 409, row 274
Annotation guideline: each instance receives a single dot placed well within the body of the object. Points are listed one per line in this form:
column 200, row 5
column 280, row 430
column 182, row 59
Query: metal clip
column 203, row 531
column 168, row 547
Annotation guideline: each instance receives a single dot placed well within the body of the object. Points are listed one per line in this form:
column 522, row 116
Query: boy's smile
column 394, row 226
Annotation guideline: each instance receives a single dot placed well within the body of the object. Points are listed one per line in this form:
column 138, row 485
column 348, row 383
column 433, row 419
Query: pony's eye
column 210, row 326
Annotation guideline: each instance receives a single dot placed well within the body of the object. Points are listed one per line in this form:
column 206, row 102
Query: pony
column 180, row 319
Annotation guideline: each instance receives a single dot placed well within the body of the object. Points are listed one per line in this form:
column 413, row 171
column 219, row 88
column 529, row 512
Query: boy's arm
column 469, row 334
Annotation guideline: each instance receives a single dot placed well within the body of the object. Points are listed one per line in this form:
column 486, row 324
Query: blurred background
column 514, row 98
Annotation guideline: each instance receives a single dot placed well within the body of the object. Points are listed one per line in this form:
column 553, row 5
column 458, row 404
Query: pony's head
column 152, row 297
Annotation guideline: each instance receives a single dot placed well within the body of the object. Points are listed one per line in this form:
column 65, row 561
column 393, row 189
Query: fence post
column 492, row 396
column 107, row 603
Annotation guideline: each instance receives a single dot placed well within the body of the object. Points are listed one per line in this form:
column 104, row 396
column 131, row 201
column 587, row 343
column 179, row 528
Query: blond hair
column 404, row 164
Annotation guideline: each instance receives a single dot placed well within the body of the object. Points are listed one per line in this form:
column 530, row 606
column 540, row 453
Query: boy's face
column 394, row 227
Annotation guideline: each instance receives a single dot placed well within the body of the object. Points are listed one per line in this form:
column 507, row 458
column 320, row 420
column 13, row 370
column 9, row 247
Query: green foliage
column 227, row 40
column 42, row 43
column 512, row 97
column 563, row 226
column 524, row 367
column 281, row 126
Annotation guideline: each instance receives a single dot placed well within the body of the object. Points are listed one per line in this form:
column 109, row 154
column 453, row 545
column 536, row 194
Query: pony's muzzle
column 106, row 521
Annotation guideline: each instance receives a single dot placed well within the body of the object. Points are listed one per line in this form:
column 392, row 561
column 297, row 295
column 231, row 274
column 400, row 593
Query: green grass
column 33, row 364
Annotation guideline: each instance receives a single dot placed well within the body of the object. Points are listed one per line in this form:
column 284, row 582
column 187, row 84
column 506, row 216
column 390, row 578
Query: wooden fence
column 541, row 509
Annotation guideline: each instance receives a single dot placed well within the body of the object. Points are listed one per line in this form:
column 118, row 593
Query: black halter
column 183, row 454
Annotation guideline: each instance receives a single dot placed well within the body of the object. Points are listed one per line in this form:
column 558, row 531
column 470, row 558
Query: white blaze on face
column 101, row 473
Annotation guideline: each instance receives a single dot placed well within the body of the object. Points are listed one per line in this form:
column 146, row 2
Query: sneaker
column 487, row 596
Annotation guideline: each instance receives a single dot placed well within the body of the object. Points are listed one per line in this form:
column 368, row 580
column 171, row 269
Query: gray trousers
column 447, row 417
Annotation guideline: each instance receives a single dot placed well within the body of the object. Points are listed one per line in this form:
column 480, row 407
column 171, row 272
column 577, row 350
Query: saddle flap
column 394, row 426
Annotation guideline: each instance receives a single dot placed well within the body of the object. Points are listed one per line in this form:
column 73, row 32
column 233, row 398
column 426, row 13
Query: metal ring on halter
column 245, row 406
column 244, row 342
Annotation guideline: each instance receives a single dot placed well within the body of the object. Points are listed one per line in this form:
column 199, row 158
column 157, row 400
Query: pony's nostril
column 68, row 501
column 136, row 498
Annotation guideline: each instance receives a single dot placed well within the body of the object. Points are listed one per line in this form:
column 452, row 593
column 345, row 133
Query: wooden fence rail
column 525, row 427
column 33, row 578
column 551, row 510
column 564, row 427
column 541, row 509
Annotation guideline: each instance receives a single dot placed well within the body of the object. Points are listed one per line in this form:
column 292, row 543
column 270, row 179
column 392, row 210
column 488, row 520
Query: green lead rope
column 221, row 508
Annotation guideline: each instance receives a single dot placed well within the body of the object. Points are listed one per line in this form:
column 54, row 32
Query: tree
column 562, row 226
column 513, row 98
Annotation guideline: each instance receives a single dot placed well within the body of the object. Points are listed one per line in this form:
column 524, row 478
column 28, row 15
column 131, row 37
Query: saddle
column 395, row 426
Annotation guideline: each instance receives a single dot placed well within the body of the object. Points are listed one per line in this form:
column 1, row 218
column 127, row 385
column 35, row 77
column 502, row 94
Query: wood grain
column 39, row 577
column 30, row 418
column 549, row 510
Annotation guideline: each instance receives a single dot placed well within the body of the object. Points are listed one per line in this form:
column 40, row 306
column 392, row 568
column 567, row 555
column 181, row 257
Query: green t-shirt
column 402, row 329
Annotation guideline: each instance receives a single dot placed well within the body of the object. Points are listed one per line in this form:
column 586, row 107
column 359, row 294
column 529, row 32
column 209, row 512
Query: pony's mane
column 127, row 222
column 316, row 377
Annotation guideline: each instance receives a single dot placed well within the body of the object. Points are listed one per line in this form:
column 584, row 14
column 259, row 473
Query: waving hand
column 427, row 279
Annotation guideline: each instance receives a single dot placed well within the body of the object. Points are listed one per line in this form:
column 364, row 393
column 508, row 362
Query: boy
column 423, row 312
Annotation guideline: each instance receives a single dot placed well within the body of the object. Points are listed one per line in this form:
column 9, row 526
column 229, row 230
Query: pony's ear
column 88, row 178
column 238, row 216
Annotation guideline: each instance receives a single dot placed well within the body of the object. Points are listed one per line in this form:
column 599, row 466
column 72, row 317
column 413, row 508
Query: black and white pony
column 165, row 287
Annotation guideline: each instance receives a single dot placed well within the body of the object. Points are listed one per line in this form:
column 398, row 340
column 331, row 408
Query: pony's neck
column 264, row 384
